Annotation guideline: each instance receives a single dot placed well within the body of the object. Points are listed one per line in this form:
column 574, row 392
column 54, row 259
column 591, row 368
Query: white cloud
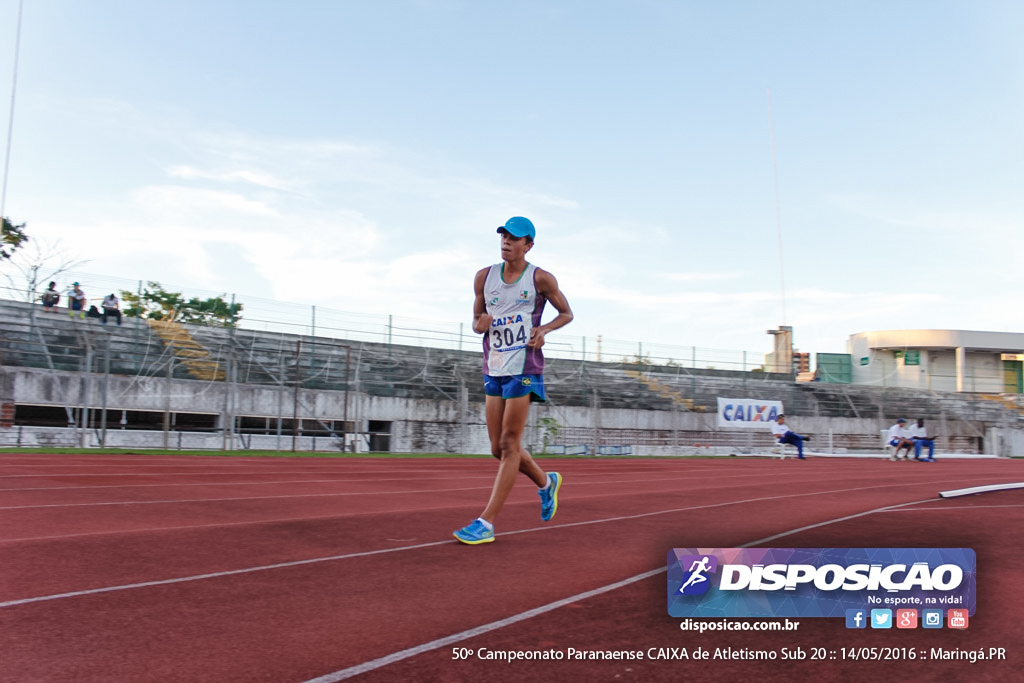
column 257, row 178
column 172, row 202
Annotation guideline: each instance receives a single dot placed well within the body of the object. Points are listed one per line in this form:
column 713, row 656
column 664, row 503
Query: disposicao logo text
column 778, row 582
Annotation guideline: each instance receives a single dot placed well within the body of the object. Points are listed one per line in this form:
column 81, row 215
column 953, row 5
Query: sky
column 359, row 155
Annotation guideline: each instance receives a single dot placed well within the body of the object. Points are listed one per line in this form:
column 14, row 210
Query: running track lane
column 628, row 619
column 216, row 542
column 299, row 622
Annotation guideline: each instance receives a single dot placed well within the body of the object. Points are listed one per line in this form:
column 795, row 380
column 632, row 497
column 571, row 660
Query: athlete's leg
column 497, row 414
column 506, row 420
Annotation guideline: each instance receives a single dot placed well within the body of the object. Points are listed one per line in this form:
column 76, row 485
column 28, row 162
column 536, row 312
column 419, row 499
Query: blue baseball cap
column 519, row 227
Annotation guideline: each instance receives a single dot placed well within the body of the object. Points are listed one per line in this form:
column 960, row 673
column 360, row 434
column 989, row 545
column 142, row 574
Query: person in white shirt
column 785, row 435
column 110, row 308
column 899, row 439
column 920, row 436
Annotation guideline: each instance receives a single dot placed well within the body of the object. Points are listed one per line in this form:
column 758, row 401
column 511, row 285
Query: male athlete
column 510, row 298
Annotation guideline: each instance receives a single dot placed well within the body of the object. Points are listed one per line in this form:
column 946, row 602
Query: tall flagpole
column 10, row 119
column 778, row 207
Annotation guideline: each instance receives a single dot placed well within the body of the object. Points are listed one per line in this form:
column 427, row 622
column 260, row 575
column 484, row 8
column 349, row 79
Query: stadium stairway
column 1011, row 402
column 197, row 360
column 665, row 391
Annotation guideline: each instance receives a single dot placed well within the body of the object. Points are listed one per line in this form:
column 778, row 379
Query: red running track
column 156, row 568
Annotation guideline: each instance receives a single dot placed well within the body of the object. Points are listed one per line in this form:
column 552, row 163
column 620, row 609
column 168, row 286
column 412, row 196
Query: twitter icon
column 881, row 618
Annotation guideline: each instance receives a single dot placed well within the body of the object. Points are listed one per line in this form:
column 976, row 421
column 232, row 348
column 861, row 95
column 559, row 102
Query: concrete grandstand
column 72, row 382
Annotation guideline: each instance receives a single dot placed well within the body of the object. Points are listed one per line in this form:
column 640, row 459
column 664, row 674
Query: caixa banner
column 747, row 413
column 817, row 582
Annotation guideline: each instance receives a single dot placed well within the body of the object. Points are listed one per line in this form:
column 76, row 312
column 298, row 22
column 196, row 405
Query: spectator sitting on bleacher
column 899, row 439
column 785, row 435
column 76, row 301
column 920, row 436
column 110, row 308
column 50, row 298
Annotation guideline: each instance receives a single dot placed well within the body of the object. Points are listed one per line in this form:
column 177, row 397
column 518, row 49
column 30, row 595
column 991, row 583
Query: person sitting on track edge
column 920, row 436
column 899, row 439
column 785, row 435
column 510, row 298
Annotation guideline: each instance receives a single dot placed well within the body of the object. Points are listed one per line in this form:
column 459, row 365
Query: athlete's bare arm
column 547, row 286
column 481, row 319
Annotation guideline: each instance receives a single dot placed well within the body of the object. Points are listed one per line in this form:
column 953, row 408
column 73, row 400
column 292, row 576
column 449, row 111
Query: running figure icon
column 696, row 570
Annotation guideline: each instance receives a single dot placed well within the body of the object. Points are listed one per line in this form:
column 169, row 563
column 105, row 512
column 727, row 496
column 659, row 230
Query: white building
column 942, row 360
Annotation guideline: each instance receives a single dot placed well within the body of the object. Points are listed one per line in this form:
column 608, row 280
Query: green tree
column 156, row 303
column 11, row 237
column 550, row 428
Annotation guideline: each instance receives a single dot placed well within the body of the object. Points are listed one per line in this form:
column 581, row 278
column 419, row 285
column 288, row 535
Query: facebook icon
column 856, row 618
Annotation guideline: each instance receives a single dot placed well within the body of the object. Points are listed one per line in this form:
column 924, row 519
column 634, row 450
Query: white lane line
column 832, row 473
column 489, row 477
column 394, row 657
column 285, row 520
column 489, row 474
column 473, row 632
column 220, row 500
column 272, row 520
column 965, row 507
column 315, row 560
column 379, row 493
column 231, row 473
column 232, row 483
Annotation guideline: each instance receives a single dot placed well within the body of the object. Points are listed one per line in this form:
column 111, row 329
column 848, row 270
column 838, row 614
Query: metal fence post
column 106, row 382
column 391, row 388
column 282, row 387
column 344, row 436
column 86, row 391
column 463, row 414
column 295, row 406
column 168, row 374
column 312, row 344
column 138, row 326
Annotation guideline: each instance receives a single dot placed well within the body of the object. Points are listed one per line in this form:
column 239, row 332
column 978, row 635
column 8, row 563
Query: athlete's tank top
column 516, row 309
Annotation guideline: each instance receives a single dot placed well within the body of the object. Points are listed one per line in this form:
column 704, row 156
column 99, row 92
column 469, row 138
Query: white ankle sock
column 490, row 527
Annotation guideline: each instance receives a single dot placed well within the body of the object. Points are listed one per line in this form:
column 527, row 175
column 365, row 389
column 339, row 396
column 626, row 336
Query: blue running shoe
column 474, row 533
column 549, row 498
